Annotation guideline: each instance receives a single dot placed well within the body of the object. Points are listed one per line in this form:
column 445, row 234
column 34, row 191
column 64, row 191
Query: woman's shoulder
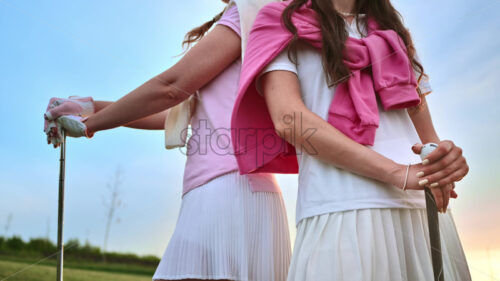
column 272, row 10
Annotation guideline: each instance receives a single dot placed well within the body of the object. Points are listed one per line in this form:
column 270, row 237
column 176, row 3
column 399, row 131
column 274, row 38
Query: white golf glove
column 72, row 125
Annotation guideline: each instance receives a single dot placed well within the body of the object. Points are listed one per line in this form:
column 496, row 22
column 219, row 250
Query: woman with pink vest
column 333, row 91
column 230, row 226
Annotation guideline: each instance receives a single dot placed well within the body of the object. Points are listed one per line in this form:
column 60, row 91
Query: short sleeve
column 231, row 19
column 281, row 62
column 424, row 86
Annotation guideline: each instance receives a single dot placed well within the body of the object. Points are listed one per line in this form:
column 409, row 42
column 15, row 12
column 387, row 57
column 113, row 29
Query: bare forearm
column 152, row 122
column 330, row 145
column 422, row 121
column 154, row 96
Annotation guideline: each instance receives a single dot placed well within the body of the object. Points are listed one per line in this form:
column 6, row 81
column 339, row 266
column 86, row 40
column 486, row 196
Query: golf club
column 60, row 211
column 434, row 235
column 433, row 222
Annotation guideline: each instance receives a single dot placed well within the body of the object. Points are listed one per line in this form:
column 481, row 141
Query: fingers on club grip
column 417, row 148
column 438, row 197
column 440, row 151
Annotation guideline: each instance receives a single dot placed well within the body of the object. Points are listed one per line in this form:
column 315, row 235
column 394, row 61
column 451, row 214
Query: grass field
column 17, row 271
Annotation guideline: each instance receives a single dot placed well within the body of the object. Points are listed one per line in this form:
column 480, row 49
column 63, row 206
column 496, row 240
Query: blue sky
column 107, row 48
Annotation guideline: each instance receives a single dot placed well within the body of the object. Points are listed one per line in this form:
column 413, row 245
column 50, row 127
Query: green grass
column 17, row 271
column 84, row 265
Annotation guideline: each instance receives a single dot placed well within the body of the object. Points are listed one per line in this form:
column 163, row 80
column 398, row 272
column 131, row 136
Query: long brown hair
column 197, row 33
column 334, row 34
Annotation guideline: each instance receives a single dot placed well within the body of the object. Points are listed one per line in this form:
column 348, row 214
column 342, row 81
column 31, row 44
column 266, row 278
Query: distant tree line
column 74, row 251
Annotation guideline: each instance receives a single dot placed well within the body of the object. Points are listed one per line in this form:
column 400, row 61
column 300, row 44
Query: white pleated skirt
column 373, row 245
column 226, row 231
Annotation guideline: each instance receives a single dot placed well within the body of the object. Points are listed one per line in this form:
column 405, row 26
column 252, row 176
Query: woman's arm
column 448, row 152
column 421, row 118
column 282, row 93
column 152, row 122
column 202, row 63
column 447, row 159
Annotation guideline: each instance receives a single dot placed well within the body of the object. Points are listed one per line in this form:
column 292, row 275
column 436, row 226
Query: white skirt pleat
column 372, row 245
column 226, row 231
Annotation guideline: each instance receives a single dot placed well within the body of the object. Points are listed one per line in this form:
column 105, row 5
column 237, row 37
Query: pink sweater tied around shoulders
column 379, row 66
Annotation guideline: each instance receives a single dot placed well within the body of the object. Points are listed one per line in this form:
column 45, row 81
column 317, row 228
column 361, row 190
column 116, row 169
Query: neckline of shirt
column 352, row 28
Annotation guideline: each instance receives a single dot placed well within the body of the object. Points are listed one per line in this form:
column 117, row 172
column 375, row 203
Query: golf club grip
column 434, row 235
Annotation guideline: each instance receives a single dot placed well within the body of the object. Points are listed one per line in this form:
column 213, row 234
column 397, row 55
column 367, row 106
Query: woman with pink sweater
column 340, row 83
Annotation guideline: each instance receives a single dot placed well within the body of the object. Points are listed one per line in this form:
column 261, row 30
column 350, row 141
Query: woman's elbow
column 175, row 95
column 284, row 125
column 170, row 94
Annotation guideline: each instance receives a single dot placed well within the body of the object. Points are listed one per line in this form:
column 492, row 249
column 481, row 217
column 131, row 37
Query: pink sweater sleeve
column 393, row 76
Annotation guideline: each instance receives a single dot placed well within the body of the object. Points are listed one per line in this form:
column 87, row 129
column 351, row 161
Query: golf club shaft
column 435, row 238
column 60, row 211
